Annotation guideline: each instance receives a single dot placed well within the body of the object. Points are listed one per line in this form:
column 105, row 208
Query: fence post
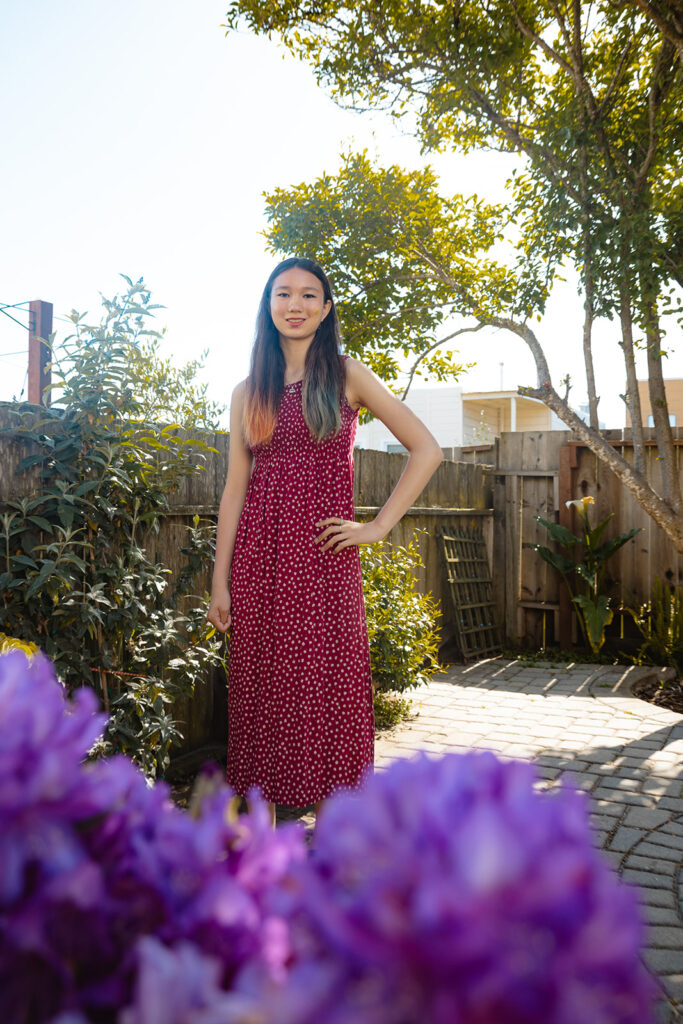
column 39, row 351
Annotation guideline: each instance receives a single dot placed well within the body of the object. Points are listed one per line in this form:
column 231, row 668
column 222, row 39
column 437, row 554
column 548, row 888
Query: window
column 672, row 420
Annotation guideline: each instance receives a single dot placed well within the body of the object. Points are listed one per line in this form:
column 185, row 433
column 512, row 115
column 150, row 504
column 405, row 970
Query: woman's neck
column 295, row 358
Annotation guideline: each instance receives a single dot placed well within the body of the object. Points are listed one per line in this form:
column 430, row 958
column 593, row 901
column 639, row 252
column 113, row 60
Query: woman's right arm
column 232, row 501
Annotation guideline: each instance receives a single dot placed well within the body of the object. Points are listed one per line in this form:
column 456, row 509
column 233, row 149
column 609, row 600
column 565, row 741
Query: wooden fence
column 458, row 492
column 501, row 489
column 535, row 473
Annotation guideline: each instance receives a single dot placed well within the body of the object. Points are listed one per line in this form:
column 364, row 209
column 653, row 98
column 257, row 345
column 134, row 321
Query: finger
column 343, row 544
column 336, row 542
column 330, row 532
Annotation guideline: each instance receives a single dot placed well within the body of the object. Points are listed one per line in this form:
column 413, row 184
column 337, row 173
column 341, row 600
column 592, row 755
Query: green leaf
column 560, row 534
column 43, row 523
column 597, row 615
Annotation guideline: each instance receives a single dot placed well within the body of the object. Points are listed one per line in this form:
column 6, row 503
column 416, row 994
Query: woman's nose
column 294, row 302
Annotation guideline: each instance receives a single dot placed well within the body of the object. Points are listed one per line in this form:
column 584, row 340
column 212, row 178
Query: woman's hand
column 343, row 533
column 219, row 610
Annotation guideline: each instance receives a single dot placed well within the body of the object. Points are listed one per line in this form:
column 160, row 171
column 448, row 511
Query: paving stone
column 650, row 896
column 655, row 864
column 607, row 807
column 669, row 803
column 665, row 961
column 646, row 878
column 652, row 848
column 625, row 796
column 674, row 985
column 673, row 828
column 624, row 838
column 661, row 787
column 662, row 838
column 660, row 915
column 630, row 785
column 666, row 937
column 646, row 817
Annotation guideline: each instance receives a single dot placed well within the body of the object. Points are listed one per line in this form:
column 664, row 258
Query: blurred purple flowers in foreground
column 445, row 892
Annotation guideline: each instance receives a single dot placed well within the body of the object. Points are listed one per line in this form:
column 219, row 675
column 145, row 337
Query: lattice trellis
column 470, row 584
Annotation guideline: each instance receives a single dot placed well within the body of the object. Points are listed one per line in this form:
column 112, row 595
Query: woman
column 287, row 579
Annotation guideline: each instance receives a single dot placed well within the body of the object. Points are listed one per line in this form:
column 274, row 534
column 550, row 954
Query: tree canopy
column 590, row 94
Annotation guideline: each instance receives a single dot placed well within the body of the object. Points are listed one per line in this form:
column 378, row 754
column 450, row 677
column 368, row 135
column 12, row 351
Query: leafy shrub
column 75, row 575
column 660, row 621
column 401, row 622
column 445, row 889
column 390, row 709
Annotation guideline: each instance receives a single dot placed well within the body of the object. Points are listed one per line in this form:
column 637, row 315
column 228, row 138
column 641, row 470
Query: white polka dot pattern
column 301, row 721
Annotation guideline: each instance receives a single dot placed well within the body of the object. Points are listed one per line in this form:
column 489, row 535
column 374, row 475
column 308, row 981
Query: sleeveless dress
column 300, row 711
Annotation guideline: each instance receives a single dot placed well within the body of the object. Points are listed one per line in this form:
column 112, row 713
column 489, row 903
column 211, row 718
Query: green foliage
column 373, row 229
column 401, row 622
column 590, row 94
column 660, row 621
column 593, row 605
column 390, row 709
column 76, row 577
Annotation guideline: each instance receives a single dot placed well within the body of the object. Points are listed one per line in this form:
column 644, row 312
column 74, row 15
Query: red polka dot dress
column 299, row 686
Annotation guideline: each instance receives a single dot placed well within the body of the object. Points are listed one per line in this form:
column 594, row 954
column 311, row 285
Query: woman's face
column 297, row 304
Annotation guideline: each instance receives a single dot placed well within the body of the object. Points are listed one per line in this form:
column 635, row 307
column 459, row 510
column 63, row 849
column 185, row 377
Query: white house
column 456, row 417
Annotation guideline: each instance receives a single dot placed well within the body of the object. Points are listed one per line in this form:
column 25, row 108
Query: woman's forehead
column 297, row 277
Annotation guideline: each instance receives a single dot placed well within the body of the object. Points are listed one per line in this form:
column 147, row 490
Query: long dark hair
column 323, row 369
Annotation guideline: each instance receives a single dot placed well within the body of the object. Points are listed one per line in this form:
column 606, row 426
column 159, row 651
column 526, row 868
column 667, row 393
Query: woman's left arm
column 425, row 455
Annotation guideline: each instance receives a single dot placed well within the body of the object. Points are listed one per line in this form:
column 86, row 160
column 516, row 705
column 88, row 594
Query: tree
column 590, row 95
column 78, row 575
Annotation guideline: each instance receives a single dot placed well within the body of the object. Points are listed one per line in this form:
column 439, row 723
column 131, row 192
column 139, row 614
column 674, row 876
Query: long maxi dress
column 300, row 708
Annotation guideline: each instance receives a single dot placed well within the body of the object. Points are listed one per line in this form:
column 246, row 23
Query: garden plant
column 660, row 621
column 585, row 576
column 444, row 889
column 75, row 574
column 402, row 626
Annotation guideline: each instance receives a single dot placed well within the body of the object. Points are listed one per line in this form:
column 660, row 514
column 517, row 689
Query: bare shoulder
column 238, row 398
column 358, row 378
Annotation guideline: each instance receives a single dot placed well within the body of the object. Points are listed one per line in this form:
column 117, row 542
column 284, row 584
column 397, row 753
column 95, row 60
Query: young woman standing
column 287, row 579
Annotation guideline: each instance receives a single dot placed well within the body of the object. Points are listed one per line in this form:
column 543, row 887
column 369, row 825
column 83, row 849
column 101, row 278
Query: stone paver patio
column 580, row 721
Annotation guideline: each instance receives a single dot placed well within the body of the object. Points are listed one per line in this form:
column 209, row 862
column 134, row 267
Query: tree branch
column 449, row 337
column 657, row 507
column 672, row 33
column 655, row 96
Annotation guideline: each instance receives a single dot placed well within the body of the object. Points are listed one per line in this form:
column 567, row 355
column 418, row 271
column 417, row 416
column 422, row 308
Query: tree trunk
column 663, row 511
column 671, row 484
column 632, row 392
column 587, row 339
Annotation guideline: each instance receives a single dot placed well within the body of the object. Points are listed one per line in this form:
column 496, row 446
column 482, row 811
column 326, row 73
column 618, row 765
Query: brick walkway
column 582, row 720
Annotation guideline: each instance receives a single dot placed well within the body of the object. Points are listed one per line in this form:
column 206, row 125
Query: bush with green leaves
column 402, row 623
column 660, row 621
column 75, row 574
column 585, row 577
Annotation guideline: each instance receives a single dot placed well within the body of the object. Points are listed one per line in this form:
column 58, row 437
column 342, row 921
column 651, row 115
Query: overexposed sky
column 138, row 139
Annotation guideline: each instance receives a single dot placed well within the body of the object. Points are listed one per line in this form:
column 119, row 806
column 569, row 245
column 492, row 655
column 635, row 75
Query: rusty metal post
column 39, row 352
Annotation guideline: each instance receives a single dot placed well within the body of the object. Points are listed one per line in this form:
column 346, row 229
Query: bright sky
column 138, row 139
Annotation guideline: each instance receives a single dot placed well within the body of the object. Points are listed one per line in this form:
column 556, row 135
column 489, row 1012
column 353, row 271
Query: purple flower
column 94, row 859
column 180, row 985
column 451, row 891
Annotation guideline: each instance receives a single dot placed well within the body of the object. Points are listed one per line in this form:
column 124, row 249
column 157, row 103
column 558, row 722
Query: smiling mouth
column 296, row 320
